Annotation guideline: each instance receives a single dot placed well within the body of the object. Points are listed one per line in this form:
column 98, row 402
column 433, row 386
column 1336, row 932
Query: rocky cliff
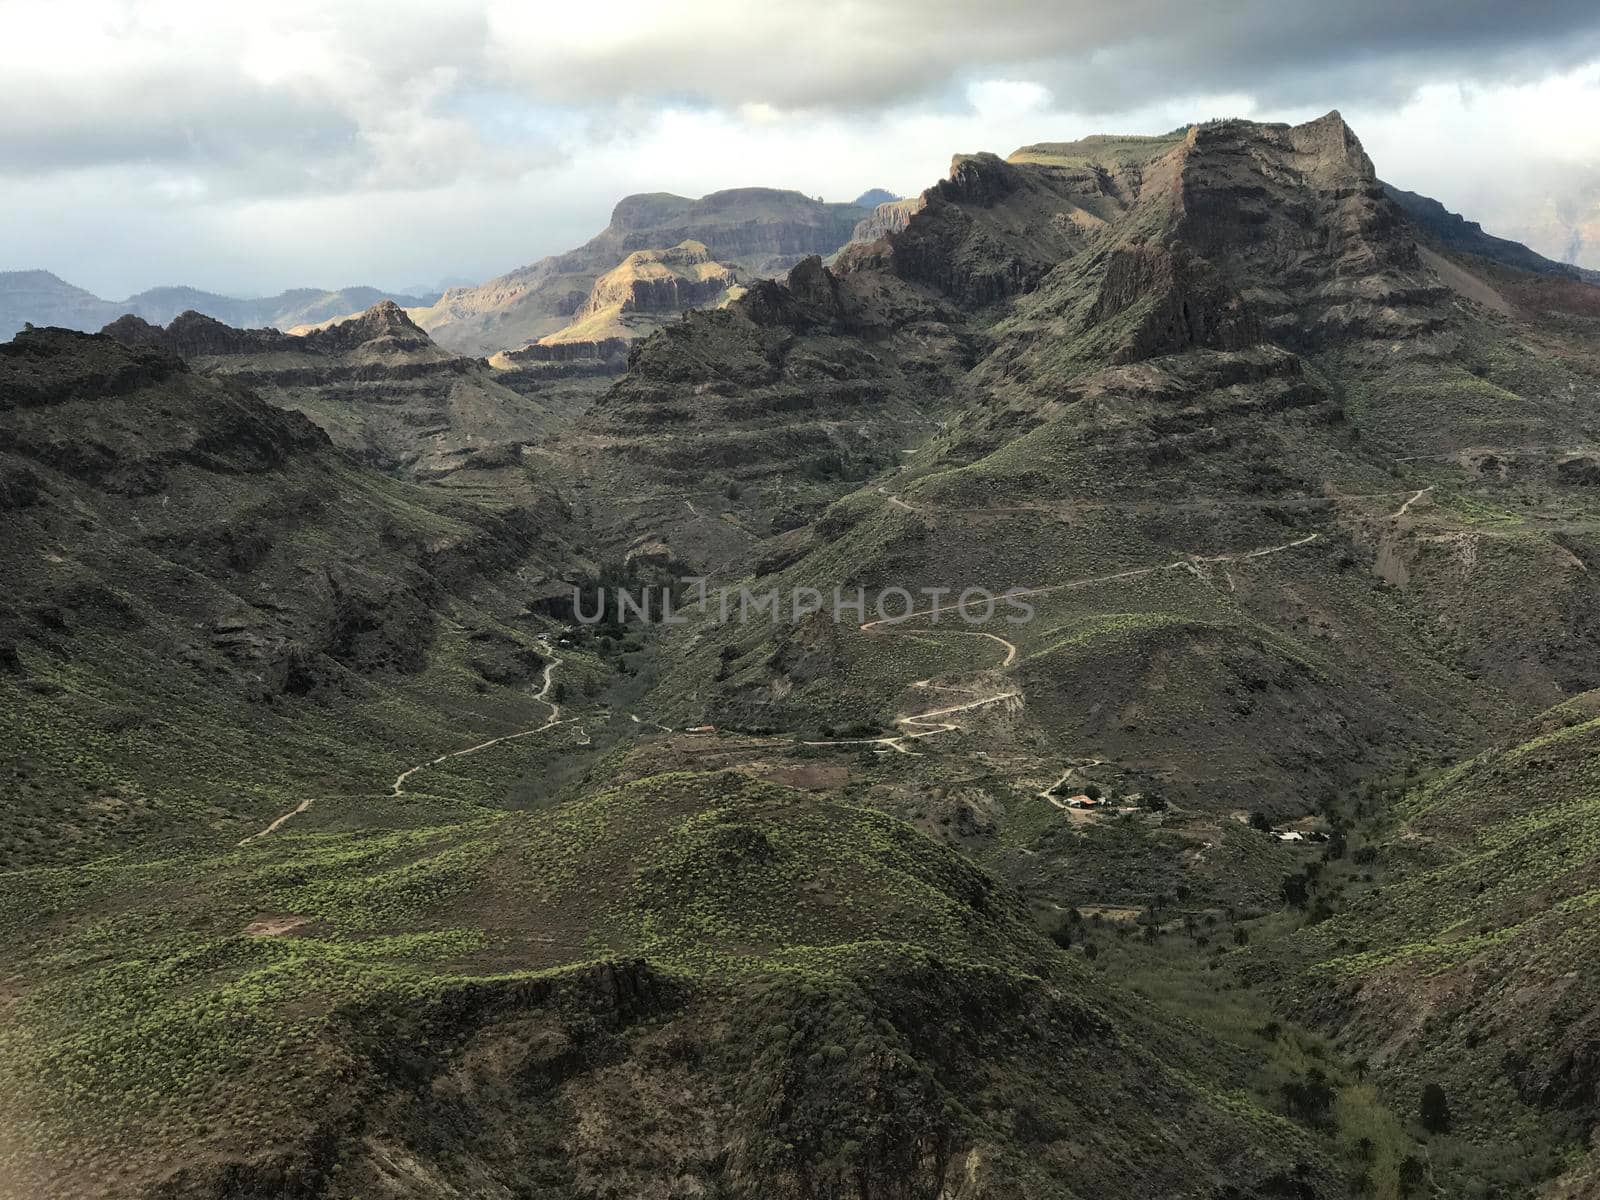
column 684, row 276
column 889, row 216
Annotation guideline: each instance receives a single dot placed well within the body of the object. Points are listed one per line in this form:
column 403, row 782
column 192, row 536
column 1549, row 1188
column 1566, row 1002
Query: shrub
column 1435, row 1109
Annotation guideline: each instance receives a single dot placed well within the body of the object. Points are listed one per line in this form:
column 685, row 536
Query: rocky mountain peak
column 1334, row 144
column 388, row 317
column 385, row 321
column 981, row 179
column 135, row 331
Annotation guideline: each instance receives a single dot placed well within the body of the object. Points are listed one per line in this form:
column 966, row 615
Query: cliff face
column 891, row 216
column 753, row 231
column 769, row 228
column 684, row 276
column 994, row 227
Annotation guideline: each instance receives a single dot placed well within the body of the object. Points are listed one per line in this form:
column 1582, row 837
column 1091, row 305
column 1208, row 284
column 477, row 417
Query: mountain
column 351, row 856
column 873, row 197
column 643, row 292
column 1176, row 357
column 755, row 231
column 376, row 384
column 181, row 558
column 1298, row 487
column 40, row 298
column 274, row 925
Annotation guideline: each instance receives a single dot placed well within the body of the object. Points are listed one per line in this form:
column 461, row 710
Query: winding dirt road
column 398, row 789
column 1420, row 493
column 550, row 722
column 272, row 828
column 925, row 724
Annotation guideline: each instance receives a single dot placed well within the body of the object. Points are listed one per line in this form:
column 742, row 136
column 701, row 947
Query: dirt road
column 924, row 724
column 398, row 789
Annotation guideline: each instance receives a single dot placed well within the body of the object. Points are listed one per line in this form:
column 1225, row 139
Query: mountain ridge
column 378, row 385
column 39, row 297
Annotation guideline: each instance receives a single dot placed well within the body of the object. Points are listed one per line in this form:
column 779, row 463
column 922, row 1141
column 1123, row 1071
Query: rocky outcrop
column 684, row 276
column 809, row 297
column 990, row 231
column 385, row 323
column 234, row 434
column 50, row 366
column 193, row 334
column 605, row 350
column 1295, row 217
column 1180, row 304
column 1582, row 470
column 889, row 217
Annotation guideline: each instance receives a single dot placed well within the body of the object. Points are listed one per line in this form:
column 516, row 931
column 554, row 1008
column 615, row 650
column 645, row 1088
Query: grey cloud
column 383, row 109
column 155, row 118
column 1098, row 57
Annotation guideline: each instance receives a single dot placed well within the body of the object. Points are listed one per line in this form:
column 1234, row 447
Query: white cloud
column 1521, row 159
column 1007, row 97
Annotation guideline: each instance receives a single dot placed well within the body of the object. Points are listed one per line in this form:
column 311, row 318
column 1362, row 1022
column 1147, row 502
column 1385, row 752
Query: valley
column 349, row 858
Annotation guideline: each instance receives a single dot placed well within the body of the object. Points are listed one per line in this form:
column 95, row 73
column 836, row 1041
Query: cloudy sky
column 247, row 148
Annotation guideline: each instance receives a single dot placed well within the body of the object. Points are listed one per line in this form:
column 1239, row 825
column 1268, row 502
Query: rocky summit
column 1080, row 682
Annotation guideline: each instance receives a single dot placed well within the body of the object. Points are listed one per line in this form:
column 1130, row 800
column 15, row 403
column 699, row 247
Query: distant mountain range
column 750, row 233
column 40, row 298
column 743, row 234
